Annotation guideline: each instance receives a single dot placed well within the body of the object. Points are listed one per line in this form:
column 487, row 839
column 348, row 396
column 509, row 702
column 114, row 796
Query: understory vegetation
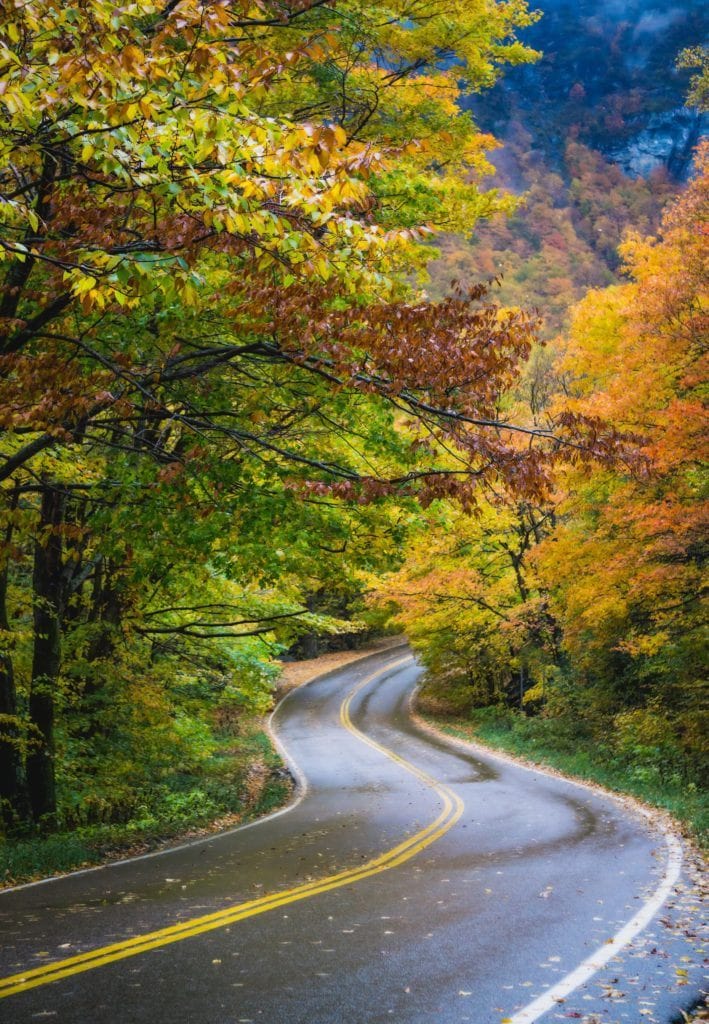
column 241, row 779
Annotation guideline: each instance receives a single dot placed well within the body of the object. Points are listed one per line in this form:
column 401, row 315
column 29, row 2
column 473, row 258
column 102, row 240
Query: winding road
column 413, row 881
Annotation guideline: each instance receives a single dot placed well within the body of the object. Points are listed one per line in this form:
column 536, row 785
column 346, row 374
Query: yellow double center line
column 452, row 810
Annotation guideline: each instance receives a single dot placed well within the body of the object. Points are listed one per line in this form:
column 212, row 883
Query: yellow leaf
column 85, row 284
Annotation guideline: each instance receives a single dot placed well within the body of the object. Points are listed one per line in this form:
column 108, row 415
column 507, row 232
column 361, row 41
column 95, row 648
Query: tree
column 468, row 593
column 209, row 212
column 472, row 605
column 627, row 566
column 697, row 57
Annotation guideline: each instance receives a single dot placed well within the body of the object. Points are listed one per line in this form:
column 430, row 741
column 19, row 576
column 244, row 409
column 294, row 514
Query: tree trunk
column 107, row 607
column 309, row 642
column 106, row 611
column 14, row 805
column 48, row 585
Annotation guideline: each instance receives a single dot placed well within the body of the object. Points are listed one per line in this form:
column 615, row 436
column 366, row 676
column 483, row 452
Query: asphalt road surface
column 413, row 882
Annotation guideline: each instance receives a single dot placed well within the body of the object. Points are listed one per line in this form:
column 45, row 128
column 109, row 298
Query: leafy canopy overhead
column 212, row 218
column 165, row 130
column 236, row 179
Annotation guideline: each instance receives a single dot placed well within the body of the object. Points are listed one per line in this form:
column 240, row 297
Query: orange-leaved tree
column 627, row 567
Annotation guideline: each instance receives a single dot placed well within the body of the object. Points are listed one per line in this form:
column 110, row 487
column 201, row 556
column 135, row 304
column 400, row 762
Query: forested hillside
column 596, row 136
column 239, row 414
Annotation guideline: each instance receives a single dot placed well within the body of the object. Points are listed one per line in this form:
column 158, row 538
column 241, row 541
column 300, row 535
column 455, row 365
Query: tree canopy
column 212, row 347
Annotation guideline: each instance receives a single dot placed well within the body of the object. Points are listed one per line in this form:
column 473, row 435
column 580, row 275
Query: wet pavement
column 534, row 876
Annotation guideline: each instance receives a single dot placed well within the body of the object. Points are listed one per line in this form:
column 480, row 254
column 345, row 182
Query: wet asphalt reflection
column 536, row 875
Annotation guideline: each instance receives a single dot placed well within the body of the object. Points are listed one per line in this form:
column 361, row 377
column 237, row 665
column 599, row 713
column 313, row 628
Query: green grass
column 557, row 744
column 185, row 803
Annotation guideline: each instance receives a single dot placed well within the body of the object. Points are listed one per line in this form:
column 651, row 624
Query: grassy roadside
column 241, row 783
column 244, row 779
column 549, row 743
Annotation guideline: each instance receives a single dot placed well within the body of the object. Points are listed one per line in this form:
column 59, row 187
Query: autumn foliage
column 211, row 350
column 227, row 403
column 588, row 609
column 626, row 568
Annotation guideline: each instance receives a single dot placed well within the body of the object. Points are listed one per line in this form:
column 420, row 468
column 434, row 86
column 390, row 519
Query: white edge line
column 301, row 789
column 552, row 998
column 592, row 964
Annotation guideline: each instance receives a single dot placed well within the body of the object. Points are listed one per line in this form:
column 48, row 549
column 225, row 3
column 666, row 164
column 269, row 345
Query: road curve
column 411, row 882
